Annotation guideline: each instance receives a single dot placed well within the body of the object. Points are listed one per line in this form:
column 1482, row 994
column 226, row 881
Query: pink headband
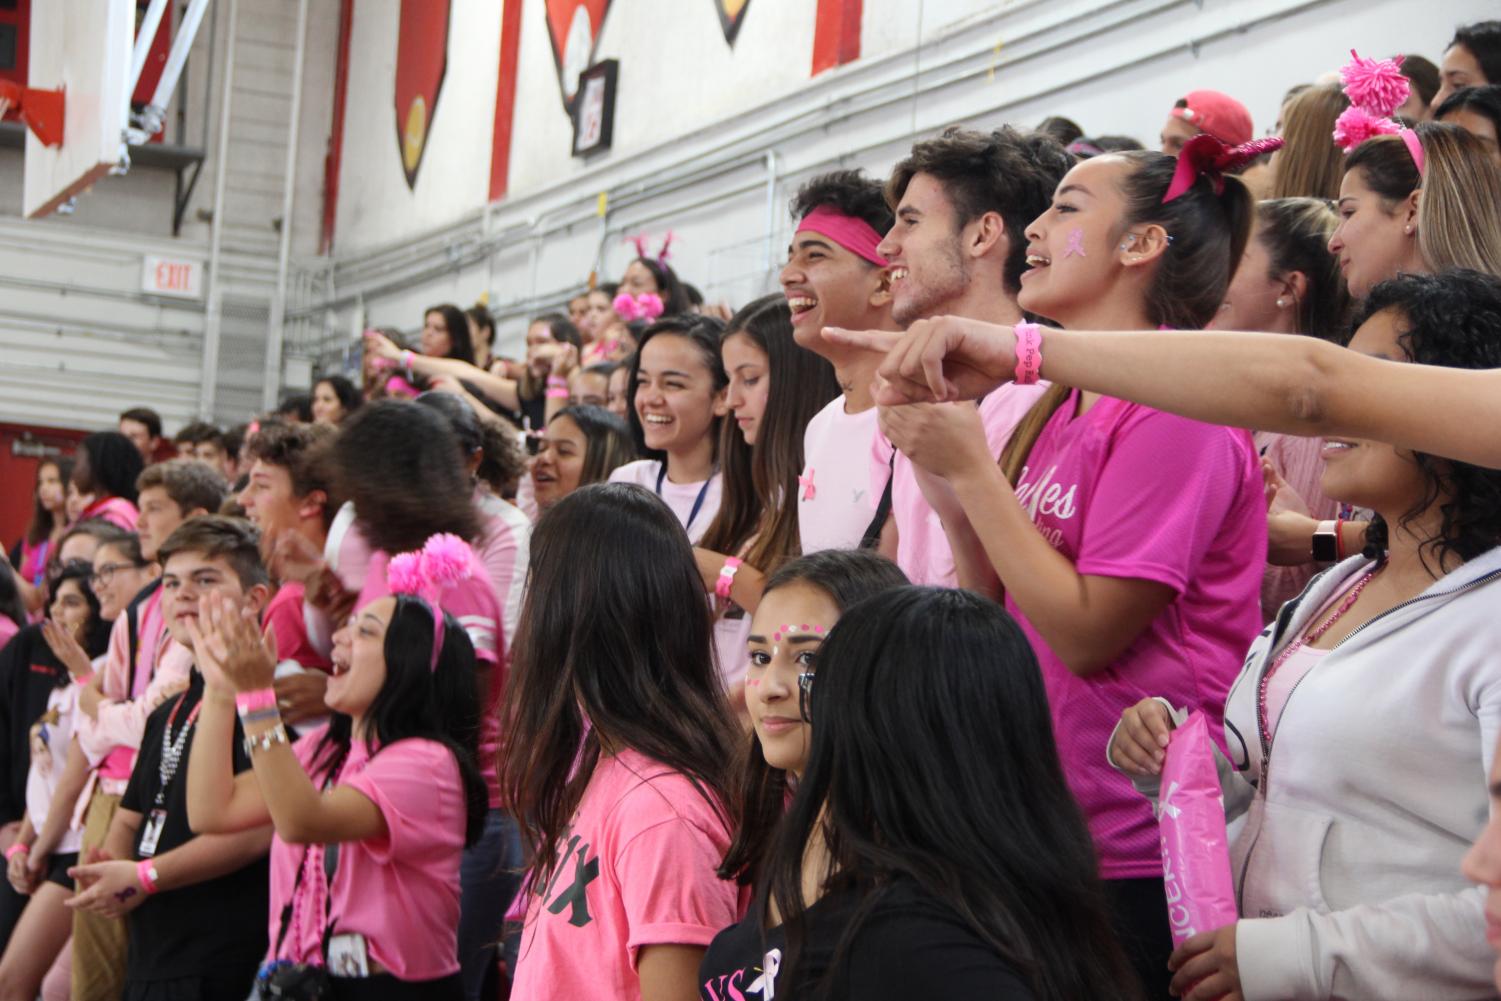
column 444, row 560
column 855, row 235
column 1206, row 156
column 1376, row 89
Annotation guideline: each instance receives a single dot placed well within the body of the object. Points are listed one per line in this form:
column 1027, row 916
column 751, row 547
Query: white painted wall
column 692, row 140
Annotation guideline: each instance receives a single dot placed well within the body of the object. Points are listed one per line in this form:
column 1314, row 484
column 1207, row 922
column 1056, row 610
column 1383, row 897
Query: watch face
column 1325, row 549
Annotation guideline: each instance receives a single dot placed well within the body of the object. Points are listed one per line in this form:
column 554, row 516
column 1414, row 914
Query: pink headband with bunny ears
column 443, row 561
column 1376, row 89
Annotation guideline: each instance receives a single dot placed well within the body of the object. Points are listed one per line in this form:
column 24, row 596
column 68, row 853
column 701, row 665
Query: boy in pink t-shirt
column 1128, row 491
column 637, row 869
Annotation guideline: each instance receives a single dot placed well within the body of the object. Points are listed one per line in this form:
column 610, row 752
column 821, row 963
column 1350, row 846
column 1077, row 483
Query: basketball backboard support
column 82, row 47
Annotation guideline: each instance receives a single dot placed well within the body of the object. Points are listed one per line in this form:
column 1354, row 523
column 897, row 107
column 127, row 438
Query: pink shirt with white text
column 1131, row 492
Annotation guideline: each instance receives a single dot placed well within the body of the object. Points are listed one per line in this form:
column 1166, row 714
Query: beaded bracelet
column 266, row 741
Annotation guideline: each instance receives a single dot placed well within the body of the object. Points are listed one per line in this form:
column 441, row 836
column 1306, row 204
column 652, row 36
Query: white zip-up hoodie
column 1347, row 864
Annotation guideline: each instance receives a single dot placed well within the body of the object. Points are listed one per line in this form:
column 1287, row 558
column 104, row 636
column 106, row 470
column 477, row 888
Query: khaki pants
column 99, row 944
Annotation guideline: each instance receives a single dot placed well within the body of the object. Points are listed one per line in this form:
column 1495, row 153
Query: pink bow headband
column 646, row 306
column 443, row 561
column 1376, row 89
column 1206, row 156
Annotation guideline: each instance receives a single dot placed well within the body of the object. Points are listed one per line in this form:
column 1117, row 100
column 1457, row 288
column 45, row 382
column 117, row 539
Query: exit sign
column 168, row 276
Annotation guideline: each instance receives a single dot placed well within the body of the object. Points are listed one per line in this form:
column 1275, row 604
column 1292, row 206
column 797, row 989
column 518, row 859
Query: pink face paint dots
column 1075, row 243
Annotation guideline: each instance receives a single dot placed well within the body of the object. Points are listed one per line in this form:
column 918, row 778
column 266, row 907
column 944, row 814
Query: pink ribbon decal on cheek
column 1075, row 243
column 806, row 482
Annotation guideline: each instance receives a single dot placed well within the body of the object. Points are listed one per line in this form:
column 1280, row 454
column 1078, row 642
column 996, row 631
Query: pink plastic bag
column 1195, row 848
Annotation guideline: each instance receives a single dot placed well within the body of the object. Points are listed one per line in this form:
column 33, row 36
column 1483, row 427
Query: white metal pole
column 275, row 323
column 213, row 318
column 145, row 35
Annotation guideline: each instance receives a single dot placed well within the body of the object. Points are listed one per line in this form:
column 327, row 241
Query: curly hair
column 1451, row 319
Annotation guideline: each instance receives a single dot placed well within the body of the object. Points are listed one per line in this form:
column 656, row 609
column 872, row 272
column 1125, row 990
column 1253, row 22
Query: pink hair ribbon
column 443, row 561
column 1206, row 156
column 855, row 235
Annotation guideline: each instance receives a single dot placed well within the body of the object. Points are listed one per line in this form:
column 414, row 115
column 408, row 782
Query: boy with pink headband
column 835, row 277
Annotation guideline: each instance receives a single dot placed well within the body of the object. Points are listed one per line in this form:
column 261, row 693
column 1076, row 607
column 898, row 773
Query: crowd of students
column 829, row 646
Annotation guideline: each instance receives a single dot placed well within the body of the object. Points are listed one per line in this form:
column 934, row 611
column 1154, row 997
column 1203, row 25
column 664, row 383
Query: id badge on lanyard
column 151, row 832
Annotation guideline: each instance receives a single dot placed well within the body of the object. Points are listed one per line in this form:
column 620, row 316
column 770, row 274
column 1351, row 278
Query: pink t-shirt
column 636, row 869
column 473, row 603
column 681, row 497
column 1128, row 491
column 922, row 549
column 400, row 892
column 285, row 622
column 837, row 493
column 116, row 510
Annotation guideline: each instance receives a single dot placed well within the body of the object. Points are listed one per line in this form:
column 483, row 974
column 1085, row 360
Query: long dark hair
column 348, row 393
column 613, row 648
column 113, row 465
column 95, row 638
column 11, row 605
column 1451, row 319
column 500, row 458
column 705, row 333
column 460, row 344
column 43, row 521
column 848, row 576
column 670, row 288
column 933, row 760
column 441, row 704
column 401, row 466
column 1207, row 233
column 757, row 478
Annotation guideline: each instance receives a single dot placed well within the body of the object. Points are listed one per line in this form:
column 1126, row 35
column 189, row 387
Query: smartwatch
column 1326, row 542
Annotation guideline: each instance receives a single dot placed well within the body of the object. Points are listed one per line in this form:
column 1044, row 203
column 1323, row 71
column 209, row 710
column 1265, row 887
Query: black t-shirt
column 214, row 928
column 910, row 946
column 28, row 674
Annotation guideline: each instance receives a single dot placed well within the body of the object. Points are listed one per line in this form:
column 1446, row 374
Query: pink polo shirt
column 402, row 891
column 1128, row 491
column 923, row 550
column 635, row 869
column 473, row 603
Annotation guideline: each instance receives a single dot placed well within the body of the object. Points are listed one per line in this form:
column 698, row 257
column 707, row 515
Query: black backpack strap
column 872, row 537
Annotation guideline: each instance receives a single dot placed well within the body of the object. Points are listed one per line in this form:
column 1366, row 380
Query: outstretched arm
column 1271, row 382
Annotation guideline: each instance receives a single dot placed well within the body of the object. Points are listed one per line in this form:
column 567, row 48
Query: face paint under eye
column 1075, row 243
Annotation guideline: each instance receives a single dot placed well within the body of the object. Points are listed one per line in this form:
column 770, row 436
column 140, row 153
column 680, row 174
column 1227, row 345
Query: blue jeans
column 489, row 878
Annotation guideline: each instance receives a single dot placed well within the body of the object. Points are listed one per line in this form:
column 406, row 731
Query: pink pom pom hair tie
column 1376, row 89
column 443, row 561
column 646, row 306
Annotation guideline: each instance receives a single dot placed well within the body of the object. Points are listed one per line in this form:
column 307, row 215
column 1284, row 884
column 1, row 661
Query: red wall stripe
column 335, row 153
column 505, row 98
column 836, row 34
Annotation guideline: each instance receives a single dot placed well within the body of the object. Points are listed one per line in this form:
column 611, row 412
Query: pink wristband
column 557, row 382
column 249, row 702
column 554, row 393
column 84, row 679
column 16, row 849
column 1028, row 353
column 727, row 577
column 143, row 873
column 406, row 360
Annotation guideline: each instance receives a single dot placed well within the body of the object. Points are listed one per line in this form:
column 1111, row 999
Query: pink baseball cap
column 1221, row 115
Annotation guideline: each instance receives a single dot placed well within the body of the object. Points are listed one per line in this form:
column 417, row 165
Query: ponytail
column 1019, row 448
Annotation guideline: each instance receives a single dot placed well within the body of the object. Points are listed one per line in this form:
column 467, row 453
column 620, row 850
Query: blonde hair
column 1309, row 165
column 1459, row 202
